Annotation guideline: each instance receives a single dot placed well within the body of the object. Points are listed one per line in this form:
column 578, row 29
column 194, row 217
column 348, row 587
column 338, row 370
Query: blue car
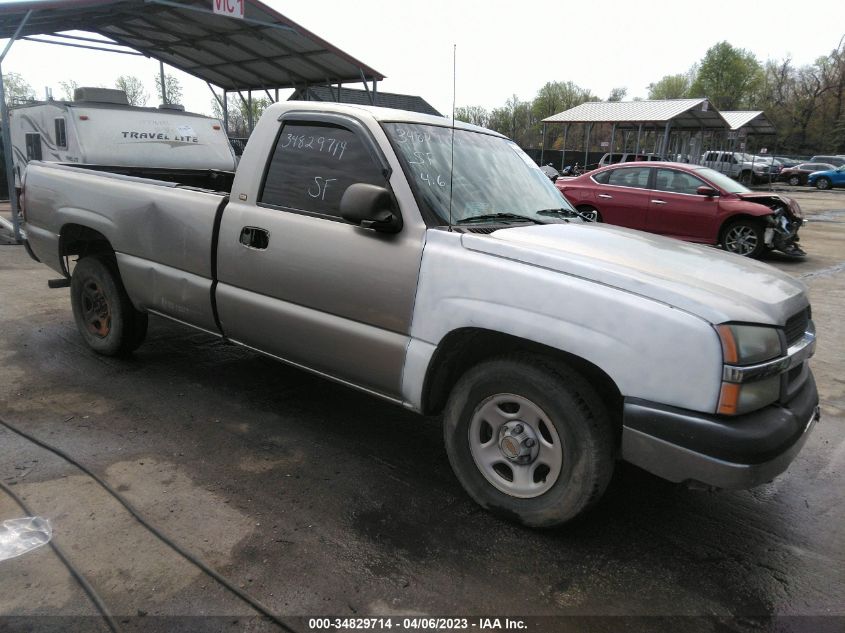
column 827, row 179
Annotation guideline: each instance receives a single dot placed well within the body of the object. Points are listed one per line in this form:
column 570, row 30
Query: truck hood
column 710, row 283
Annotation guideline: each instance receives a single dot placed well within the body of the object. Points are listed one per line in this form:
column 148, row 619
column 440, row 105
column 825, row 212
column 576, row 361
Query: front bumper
column 725, row 452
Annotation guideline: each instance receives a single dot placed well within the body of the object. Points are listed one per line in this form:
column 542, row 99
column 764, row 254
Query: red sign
column 232, row 8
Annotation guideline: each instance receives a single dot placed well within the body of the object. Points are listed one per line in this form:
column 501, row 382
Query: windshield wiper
column 566, row 213
column 497, row 216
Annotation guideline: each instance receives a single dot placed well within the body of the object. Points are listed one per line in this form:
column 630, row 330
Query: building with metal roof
column 360, row 97
column 680, row 113
column 674, row 126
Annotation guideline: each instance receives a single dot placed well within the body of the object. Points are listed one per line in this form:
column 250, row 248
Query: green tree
column 239, row 113
column 476, row 115
column 173, row 89
column 617, row 94
column 671, row 87
column 68, row 89
column 134, row 89
column 730, row 77
column 17, row 88
column 555, row 97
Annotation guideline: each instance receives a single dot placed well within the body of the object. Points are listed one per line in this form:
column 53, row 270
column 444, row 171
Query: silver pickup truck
column 439, row 269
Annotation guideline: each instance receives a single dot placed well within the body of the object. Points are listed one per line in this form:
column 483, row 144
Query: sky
column 503, row 48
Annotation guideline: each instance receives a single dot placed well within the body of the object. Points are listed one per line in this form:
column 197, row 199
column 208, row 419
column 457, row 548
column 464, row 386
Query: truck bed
column 159, row 222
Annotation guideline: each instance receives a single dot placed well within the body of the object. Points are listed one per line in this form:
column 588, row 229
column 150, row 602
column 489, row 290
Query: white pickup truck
column 439, row 269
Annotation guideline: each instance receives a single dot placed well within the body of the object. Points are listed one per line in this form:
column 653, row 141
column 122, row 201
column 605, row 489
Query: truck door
column 299, row 282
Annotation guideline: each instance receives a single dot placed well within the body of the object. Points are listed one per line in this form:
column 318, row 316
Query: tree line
column 18, row 90
column 805, row 103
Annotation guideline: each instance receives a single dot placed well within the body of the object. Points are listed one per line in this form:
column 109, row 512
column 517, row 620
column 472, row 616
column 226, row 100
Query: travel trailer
column 99, row 127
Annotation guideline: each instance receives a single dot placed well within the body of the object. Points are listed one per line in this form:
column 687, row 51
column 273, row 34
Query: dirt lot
column 318, row 500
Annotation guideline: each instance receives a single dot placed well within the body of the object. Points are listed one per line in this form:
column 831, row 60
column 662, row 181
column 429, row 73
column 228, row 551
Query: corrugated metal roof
column 412, row 103
column 755, row 121
column 684, row 113
column 264, row 50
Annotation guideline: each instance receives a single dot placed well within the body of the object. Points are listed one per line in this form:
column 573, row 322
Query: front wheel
column 104, row 315
column 744, row 237
column 823, row 183
column 529, row 439
column 794, row 180
column 591, row 213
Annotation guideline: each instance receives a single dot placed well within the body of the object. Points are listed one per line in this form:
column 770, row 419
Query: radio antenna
column 452, row 159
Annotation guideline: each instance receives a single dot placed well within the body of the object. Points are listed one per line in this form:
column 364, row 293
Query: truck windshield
column 723, row 182
column 493, row 180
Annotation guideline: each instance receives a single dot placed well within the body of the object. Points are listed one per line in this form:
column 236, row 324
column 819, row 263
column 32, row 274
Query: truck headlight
column 749, row 344
column 744, row 345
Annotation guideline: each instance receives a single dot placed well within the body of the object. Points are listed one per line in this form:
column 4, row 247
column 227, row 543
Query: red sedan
column 687, row 202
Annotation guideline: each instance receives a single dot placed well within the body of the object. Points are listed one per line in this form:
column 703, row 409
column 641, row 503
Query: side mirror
column 707, row 191
column 370, row 207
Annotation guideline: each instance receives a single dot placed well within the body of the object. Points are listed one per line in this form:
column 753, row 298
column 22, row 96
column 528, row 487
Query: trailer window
column 33, row 147
column 61, row 134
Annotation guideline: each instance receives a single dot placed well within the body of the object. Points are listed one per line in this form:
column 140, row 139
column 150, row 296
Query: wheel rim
column 794, row 181
column 822, row 184
column 96, row 311
column 515, row 445
column 591, row 214
column 741, row 240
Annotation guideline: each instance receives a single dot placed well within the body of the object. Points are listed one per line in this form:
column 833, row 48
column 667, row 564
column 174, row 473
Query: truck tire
column 104, row 315
column 744, row 237
column 529, row 439
column 745, row 178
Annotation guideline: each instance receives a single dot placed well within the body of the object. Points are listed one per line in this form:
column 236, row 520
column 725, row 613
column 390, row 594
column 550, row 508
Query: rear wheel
column 823, row 183
column 744, row 237
column 794, row 180
column 529, row 439
column 745, row 178
column 104, row 315
column 590, row 212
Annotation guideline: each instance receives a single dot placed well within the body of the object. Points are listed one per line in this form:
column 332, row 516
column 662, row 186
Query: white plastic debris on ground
column 19, row 536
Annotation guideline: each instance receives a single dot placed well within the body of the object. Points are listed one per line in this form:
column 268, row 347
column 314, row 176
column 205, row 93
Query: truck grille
column 796, row 325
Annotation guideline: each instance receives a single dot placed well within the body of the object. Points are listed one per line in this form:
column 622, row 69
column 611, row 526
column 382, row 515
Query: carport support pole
column 543, row 145
column 587, row 145
column 612, row 141
column 249, row 110
column 665, row 146
column 226, row 111
column 563, row 149
column 7, row 137
column 163, row 85
column 639, row 134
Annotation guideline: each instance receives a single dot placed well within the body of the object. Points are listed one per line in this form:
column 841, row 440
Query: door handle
column 253, row 237
column 659, row 201
column 604, row 195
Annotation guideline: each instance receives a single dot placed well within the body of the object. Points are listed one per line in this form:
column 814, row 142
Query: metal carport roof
column 261, row 51
column 753, row 121
column 684, row 114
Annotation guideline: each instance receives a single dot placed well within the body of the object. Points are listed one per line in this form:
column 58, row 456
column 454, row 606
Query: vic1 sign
column 232, row 8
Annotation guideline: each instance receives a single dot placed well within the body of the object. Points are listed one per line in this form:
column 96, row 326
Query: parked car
column 827, row 179
column 788, row 162
column 350, row 244
column 798, row 175
column 745, row 168
column 688, row 202
column 627, row 158
column 836, row 161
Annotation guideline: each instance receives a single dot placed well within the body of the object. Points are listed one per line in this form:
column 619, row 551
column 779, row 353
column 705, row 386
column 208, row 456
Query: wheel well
column 76, row 239
column 464, row 348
